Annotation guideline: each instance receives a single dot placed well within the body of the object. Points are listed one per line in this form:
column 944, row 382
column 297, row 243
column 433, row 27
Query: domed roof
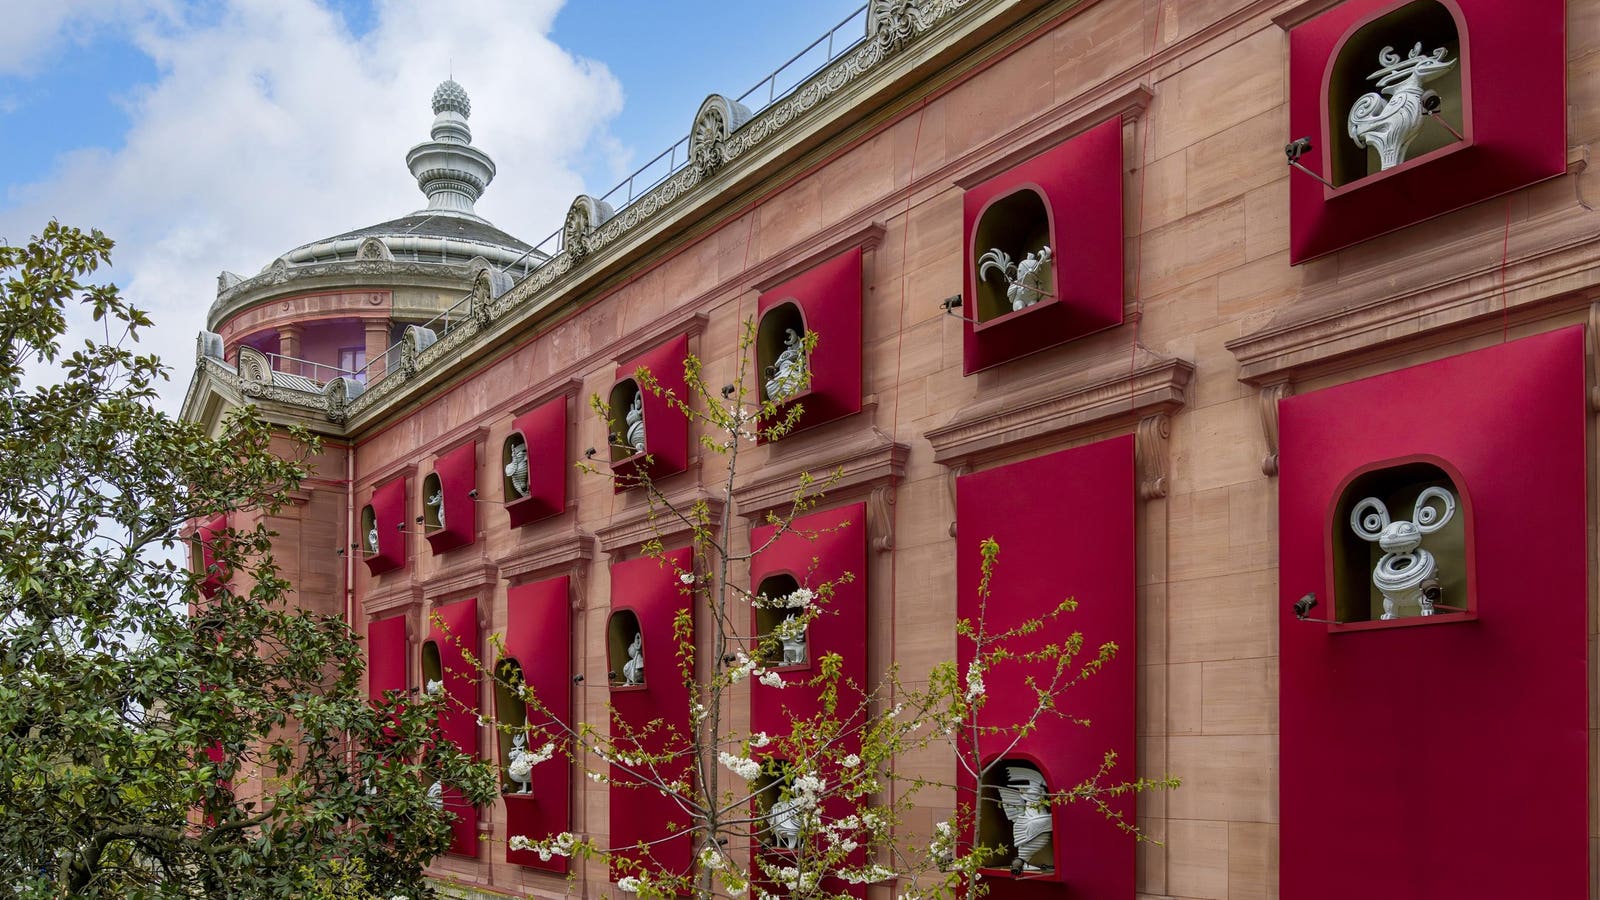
column 451, row 96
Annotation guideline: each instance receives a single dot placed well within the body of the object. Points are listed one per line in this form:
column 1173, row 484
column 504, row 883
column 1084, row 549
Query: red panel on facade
column 1515, row 64
column 1065, row 525
column 829, row 298
column 1423, row 761
column 666, row 429
column 538, row 637
column 651, row 589
column 386, row 656
column 817, row 549
column 208, row 534
column 544, row 431
column 389, row 518
column 458, row 477
column 458, row 716
column 1080, row 183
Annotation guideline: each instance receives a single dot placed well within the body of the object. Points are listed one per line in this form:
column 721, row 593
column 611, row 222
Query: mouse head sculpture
column 1406, row 575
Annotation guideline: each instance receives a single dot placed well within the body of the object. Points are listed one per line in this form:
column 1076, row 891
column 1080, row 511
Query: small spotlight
column 1297, row 148
column 727, row 391
column 577, row 679
column 589, row 453
column 950, row 304
column 473, row 493
column 419, row 520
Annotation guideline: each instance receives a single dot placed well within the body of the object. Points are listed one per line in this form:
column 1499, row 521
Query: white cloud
column 271, row 125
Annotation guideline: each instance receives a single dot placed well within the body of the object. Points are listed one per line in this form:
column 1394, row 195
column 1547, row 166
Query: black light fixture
column 953, row 303
column 727, row 391
column 1300, row 147
column 1303, row 607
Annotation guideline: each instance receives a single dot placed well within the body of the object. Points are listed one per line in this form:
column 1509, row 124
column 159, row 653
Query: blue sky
column 210, row 135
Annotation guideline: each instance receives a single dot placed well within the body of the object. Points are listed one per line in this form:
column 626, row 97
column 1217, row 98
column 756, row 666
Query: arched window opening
column 1396, row 91
column 625, row 649
column 1012, row 257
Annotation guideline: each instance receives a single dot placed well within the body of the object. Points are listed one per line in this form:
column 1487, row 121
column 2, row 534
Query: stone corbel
column 568, row 553
column 880, row 517
column 1268, row 398
column 951, row 473
column 1594, row 356
column 1150, row 451
column 646, row 521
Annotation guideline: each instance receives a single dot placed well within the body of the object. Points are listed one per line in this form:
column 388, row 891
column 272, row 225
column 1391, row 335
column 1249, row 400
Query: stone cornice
column 1455, row 289
column 563, row 553
column 1102, row 393
column 681, row 321
column 830, row 242
column 404, row 595
column 857, row 459
column 1007, row 150
column 459, row 580
column 276, row 281
column 644, row 521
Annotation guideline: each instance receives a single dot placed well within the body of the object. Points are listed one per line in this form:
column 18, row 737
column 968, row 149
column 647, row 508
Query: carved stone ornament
column 207, row 343
column 892, row 23
column 1027, row 281
column 1026, row 805
column 255, row 369
column 583, row 217
column 488, row 284
column 374, row 249
column 1389, row 119
column 415, row 340
column 1268, row 399
column 1150, row 449
column 227, row 280
column 716, row 121
column 339, row 393
column 1406, row 575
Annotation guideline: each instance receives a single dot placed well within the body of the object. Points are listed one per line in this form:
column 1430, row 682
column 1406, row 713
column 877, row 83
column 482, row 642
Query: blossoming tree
column 817, row 808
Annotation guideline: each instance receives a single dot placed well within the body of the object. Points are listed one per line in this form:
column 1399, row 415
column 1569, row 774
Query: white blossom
column 743, row 667
column 687, row 578
column 596, row 777
column 760, row 739
column 867, row 874
column 711, row 859
column 771, row 679
column 628, row 884
column 851, row 761
column 748, row 769
column 974, row 681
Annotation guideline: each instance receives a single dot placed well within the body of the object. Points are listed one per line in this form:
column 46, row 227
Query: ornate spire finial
column 451, row 171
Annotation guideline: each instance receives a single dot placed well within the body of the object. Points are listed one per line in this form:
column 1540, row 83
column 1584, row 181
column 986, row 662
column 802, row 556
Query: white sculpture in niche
column 633, row 669
column 1389, row 120
column 372, row 539
column 517, row 469
column 1025, row 804
column 436, row 502
column 789, row 369
column 1406, row 575
column 436, row 795
column 783, row 820
column 794, row 641
column 1025, row 280
column 635, row 435
column 520, row 764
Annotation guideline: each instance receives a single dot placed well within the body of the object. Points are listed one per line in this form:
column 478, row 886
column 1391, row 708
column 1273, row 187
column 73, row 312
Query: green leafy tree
column 154, row 741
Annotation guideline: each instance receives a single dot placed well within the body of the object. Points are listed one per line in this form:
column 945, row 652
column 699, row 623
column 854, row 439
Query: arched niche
column 624, row 395
column 1357, row 69
column 514, row 465
column 1010, row 783
column 369, row 531
column 432, row 665
column 511, row 714
column 1386, row 500
column 772, row 337
column 432, row 503
column 1015, row 225
column 768, row 618
column 622, row 630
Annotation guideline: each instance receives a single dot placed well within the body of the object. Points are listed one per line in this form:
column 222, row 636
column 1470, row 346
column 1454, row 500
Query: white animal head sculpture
column 1406, row 575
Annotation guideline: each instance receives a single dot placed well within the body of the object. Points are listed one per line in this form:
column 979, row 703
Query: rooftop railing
column 777, row 85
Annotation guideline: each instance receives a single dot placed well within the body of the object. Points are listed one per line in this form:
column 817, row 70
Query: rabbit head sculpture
column 1406, row 575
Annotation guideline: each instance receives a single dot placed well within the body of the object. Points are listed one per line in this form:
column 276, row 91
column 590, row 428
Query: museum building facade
column 1264, row 328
